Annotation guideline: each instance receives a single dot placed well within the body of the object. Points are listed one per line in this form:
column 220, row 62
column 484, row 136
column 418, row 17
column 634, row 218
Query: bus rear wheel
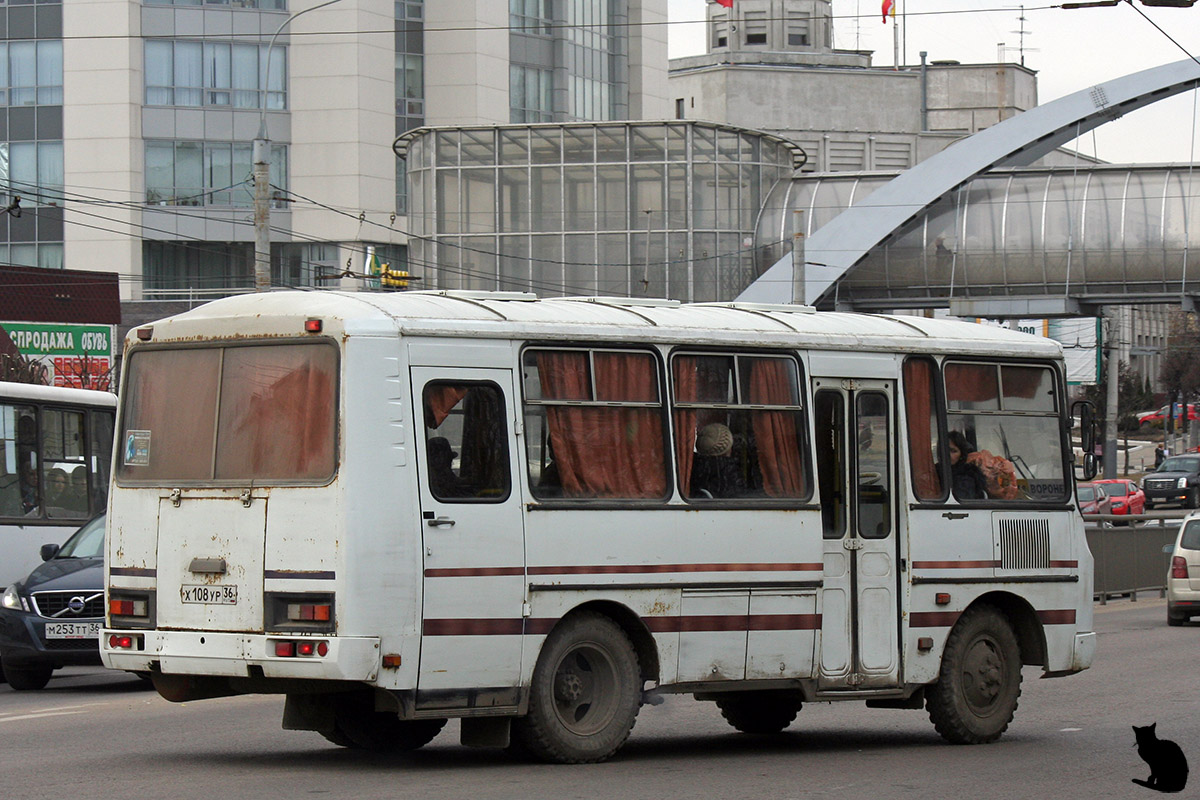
column 585, row 694
column 759, row 712
column 980, row 680
column 358, row 725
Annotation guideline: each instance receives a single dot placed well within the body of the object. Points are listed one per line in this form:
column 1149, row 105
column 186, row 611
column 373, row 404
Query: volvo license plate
column 208, row 595
column 73, row 630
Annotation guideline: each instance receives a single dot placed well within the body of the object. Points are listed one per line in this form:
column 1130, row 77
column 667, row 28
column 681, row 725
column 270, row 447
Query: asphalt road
column 98, row 734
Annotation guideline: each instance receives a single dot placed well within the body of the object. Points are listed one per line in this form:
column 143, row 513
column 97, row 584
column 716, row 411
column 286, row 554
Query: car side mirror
column 49, row 551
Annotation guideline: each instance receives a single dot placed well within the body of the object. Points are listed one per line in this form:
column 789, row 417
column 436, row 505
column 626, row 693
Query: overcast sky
column 1070, row 50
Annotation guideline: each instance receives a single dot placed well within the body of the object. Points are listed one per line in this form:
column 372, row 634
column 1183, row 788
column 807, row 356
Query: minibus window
column 594, row 425
column 263, row 413
column 923, row 435
column 738, row 427
column 1004, row 421
column 466, row 442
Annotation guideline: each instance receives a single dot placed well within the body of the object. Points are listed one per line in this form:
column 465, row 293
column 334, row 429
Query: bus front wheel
column 980, row 679
column 585, row 694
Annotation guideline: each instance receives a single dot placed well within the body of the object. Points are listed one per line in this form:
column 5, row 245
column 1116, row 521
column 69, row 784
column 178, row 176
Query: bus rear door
column 473, row 536
column 855, row 467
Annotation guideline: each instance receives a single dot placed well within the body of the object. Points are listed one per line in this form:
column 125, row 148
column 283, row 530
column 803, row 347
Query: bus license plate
column 72, row 630
column 209, row 595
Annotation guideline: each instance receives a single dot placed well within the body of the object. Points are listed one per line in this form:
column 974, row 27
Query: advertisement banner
column 64, row 354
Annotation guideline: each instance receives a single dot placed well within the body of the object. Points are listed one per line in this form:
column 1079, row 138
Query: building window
column 797, row 31
column 31, row 73
column 182, row 269
column 33, row 171
column 267, row 5
column 530, row 93
column 183, row 73
column 678, row 108
column 756, row 27
column 208, row 174
column 531, row 16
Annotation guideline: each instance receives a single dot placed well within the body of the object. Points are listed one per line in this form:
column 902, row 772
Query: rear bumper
column 1168, row 495
column 234, row 654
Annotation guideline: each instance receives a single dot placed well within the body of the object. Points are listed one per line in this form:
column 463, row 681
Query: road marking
column 53, row 710
column 41, row 715
column 1069, row 730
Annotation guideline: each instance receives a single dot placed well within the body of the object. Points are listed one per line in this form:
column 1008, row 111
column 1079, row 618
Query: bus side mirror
column 1083, row 414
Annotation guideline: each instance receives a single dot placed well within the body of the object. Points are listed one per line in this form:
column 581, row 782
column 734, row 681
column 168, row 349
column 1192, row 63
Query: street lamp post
column 261, row 172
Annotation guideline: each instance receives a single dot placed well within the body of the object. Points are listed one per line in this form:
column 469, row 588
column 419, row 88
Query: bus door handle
column 440, row 522
column 954, row 515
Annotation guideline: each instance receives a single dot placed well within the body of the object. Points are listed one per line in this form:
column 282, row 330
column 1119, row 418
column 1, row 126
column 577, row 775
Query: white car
column 1183, row 578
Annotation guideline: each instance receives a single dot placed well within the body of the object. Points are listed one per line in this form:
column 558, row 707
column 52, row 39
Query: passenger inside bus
column 29, row 489
column 715, row 471
column 966, row 479
column 442, row 480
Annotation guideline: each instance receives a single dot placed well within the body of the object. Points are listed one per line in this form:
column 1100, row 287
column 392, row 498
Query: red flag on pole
column 887, row 9
column 726, row 3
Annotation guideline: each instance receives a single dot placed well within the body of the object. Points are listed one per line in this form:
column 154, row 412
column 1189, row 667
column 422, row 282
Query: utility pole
column 261, row 171
column 1112, row 345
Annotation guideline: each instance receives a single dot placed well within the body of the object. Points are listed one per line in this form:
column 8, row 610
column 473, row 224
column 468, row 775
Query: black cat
column 1168, row 767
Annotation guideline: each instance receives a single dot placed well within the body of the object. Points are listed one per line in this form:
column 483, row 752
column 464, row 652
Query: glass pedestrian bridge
column 1098, row 234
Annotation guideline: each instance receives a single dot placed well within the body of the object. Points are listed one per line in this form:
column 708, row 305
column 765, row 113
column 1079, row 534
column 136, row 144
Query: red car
column 1161, row 415
column 1092, row 499
column 1127, row 497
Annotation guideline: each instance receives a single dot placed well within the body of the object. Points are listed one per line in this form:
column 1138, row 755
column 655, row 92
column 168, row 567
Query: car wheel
column 1193, row 499
column 1175, row 620
column 1148, row 507
column 28, row 679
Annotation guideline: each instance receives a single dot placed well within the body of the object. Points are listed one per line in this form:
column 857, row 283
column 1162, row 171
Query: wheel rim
column 983, row 675
column 585, row 689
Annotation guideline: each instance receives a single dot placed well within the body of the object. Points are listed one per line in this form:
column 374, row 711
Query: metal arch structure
column 839, row 245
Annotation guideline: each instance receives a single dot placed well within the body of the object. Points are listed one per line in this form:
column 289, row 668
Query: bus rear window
column 257, row 413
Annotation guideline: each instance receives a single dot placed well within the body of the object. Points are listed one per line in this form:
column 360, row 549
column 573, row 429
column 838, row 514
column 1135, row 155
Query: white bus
column 57, row 451
column 539, row 515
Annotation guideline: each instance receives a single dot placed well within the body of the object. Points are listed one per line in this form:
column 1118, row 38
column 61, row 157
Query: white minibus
column 538, row 515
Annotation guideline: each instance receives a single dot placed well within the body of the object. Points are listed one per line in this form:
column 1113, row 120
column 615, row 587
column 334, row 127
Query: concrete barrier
column 1128, row 551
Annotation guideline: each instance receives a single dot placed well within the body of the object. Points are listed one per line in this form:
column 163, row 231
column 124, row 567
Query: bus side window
column 466, row 442
column 18, row 467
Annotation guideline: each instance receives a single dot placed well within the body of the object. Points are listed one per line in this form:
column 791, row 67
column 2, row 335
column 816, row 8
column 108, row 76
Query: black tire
column 28, row 679
column 1193, row 499
column 585, row 694
column 1175, row 621
column 356, row 724
column 1148, row 507
column 759, row 712
column 976, row 693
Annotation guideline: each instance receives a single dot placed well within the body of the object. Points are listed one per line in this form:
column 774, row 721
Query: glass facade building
column 1115, row 230
column 655, row 209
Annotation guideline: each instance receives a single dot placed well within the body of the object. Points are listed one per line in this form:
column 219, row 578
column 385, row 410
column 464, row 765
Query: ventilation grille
column 1024, row 543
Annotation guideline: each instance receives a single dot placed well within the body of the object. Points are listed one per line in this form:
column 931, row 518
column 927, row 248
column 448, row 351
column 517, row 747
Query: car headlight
column 1181, row 483
column 13, row 600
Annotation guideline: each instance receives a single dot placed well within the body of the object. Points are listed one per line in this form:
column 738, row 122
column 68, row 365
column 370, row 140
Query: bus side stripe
column 622, row 569
column 703, row 623
column 945, row 619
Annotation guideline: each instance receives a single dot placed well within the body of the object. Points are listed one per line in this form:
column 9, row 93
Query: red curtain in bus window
column 686, row 419
column 972, row 383
column 604, row 452
column 918, row 404
column 440, row 398
column 775, row 431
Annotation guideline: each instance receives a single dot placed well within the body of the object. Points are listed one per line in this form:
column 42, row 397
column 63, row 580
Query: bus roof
column 56, row 394
column 521, row 315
